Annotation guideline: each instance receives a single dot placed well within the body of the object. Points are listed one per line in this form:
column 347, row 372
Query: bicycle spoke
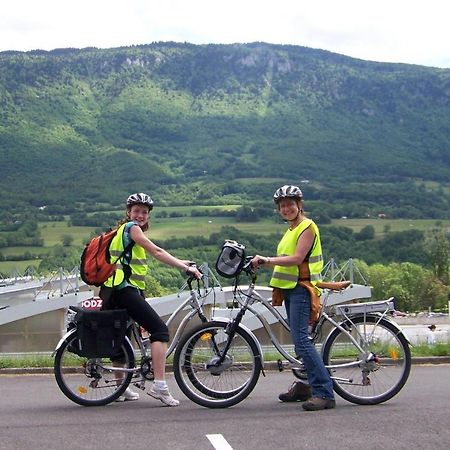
column 378, row 371
column 91, row 382
column 210, row 378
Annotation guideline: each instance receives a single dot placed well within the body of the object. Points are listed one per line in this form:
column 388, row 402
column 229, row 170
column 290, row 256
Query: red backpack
column 96, row 265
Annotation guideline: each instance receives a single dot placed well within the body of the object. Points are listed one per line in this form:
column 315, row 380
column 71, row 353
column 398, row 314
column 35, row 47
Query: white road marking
column 219, row 442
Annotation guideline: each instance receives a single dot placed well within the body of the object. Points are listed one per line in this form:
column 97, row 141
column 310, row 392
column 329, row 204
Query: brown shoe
column 298, row 392
column 316, row 404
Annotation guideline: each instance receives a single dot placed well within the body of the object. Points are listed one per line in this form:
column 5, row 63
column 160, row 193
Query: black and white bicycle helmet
column 287, row 191
column 141, row 199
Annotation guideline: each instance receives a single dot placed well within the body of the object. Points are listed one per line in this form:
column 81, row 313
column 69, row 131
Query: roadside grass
column 45, row 360
column 25, row 361
column 439, row 349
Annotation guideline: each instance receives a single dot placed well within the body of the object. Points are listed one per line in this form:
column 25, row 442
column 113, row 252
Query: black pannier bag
column 231, row 259
column 100, row 333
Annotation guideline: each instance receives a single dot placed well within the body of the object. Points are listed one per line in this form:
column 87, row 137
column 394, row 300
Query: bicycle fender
column 249, row 332
column 63, row 339
column 349, row 322
column 399, row 330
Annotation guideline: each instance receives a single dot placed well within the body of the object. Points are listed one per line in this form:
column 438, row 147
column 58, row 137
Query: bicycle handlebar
column 248, row 266
column 191, row 277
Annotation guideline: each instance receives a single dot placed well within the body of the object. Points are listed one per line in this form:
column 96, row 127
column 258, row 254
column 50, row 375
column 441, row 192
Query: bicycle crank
column 147, row 369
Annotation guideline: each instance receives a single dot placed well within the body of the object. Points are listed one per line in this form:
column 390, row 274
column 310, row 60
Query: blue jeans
column 298, row 305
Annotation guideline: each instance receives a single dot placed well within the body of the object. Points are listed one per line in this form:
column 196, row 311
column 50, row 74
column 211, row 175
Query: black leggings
column 140, row 311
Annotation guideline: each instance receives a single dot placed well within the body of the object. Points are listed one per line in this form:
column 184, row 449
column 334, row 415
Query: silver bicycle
column 99, row 381
column 218, row 363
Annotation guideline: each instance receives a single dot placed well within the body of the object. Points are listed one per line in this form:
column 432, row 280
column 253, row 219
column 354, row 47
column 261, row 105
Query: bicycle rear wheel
column 385, row 360
column 91, row 381
column 206, row 381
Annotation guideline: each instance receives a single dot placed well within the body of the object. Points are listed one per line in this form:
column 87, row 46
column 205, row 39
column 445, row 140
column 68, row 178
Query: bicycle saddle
column 334, row 285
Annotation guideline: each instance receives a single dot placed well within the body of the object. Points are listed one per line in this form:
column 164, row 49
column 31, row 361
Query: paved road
column 34, row 414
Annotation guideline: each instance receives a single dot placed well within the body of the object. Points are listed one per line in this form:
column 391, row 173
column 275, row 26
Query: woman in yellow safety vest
column 128, row 284
column 296, row 270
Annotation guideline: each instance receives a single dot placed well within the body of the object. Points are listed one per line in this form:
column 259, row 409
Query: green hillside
column 209, row 124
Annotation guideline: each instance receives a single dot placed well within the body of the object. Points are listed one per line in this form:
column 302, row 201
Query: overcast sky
column 407, row 31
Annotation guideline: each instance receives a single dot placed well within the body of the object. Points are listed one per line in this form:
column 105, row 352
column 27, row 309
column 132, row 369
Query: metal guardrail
column 17, row 277
column 331, row 271
column 67, row 284
column 347, row 271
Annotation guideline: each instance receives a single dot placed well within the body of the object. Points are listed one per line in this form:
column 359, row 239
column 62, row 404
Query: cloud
column 414, row 31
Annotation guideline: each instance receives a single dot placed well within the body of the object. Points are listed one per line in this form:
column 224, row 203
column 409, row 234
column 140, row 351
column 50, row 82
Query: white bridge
column 32, row 311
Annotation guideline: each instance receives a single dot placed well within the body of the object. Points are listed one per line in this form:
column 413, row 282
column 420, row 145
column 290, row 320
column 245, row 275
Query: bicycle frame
column 381, row 309
column 218, row 363
column 194, row 301
column 196, row 309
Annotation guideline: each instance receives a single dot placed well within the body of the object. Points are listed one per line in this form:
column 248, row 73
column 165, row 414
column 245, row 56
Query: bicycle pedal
column 280, row 365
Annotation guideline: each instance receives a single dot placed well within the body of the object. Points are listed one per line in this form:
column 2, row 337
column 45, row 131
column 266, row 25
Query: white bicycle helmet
column 141, row 199
column 287, row 191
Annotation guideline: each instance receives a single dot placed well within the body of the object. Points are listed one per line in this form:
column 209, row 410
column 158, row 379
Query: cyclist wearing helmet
column 127, row 285
column 296, row 269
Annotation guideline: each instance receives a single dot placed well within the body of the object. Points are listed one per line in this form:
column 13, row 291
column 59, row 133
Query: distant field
column 7, row 268
column 9, row 251
column 165, row 228
column 380, row 225
column 53, row 233
column 433, row 185
column 205, row 226
column 187, row 209
column 160, row 229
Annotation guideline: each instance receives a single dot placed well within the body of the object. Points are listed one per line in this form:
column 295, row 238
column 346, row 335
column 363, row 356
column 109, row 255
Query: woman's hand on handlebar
column 192, row 270
column 258, row 261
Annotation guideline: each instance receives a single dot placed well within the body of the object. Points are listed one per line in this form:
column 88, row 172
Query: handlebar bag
column 231, row 259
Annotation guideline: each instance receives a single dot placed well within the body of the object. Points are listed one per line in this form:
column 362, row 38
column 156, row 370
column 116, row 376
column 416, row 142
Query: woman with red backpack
column 125, row 287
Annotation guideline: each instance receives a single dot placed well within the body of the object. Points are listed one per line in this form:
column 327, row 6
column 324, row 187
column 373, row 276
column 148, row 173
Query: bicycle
column 217, row 364
column 95, row 381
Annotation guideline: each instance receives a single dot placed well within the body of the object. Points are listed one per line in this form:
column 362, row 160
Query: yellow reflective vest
column 133, row 271
column 287, row 277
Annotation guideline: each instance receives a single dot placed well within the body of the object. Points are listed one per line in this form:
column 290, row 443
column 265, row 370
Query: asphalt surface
column 34, row 414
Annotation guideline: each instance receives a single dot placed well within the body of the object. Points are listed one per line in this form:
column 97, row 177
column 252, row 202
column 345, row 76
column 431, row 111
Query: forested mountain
column 209, row 123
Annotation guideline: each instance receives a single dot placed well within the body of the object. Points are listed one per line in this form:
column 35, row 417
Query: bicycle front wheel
column 210, row 377
column 91, row 381
column 373, row 371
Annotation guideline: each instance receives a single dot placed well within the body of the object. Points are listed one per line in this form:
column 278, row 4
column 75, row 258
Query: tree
column 247, row 214
column 367, row 233
column 437, row 248
column 59, row 256
column 413, row 287
column 153, row 287
column 67, row 240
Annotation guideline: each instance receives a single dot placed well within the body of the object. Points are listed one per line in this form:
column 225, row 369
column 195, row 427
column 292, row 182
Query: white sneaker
column 163, row 395
column 128, row 396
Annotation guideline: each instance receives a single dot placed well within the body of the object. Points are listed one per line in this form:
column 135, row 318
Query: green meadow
column 381, row 226
column 205, row 226
column 54, row 232
column 162, row 229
